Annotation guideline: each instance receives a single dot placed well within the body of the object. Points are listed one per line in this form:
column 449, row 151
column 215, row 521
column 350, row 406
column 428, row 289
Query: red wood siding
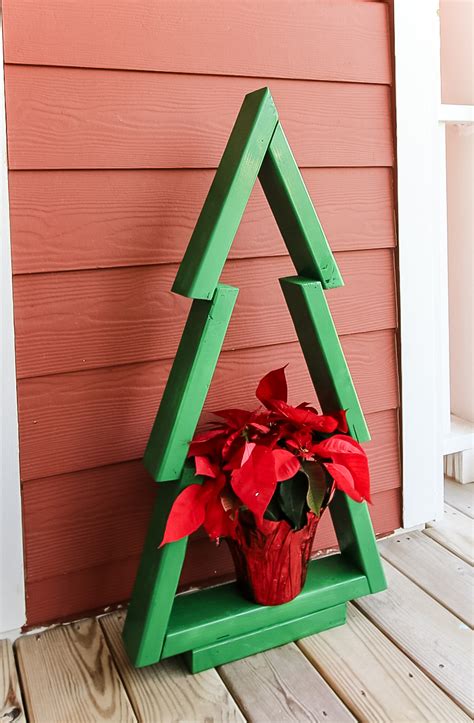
column 147, row 216
column 330, row 40
column 77, row 118
column 117, row 114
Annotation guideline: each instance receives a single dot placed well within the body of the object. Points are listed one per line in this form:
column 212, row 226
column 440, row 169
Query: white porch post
column 422, row 258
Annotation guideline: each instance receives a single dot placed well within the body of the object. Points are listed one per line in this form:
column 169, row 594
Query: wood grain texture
column 68, row 675
column 87, row 518
column 103, row 416
column 82, row 320
column 62, row 220
column 93, row 588
column 323, row 41
column 282, row 685
column 75, row 118
column 455, row 532
column 425, row 631
column 460, row 496
column 441, row 574
column 11, row 704
column 373, row 677
column 167, row 691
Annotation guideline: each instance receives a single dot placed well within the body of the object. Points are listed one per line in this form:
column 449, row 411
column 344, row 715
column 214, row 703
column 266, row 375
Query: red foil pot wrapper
column 271, row 560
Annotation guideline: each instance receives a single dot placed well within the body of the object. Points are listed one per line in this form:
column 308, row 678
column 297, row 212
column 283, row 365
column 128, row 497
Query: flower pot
column 271, row 559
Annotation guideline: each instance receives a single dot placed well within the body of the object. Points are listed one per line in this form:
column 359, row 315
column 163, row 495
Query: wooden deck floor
column 404, row 655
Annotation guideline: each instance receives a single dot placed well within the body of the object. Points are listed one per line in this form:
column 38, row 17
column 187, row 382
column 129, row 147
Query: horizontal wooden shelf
column 241, row 646
column 210, row 616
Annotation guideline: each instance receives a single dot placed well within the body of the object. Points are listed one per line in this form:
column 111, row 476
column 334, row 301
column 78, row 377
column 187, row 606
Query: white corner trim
column 12, row 586
column 422, row 254
column 456, row 113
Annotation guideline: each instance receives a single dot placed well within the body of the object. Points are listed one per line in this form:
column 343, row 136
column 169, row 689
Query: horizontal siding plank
column 74, row 118
column 63, row 596
column 60, row 537
column 323, row 40
column 63, row 220
column 82, row 320
column 97, row 417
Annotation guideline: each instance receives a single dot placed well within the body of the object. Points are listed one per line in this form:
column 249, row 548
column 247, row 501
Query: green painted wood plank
column 157, row 580
column 208, row 617
column 323, row 352
column 188, row 384
column 228, row 196
column 356, row 538
column 243, row 645
column 294, row 212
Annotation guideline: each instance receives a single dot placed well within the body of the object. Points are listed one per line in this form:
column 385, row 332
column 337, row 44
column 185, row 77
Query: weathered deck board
column 282, row 685
column 374, row 678
column 167, row 691
column 428, row 633
column 68, row 675
column 388, row 665
column 11, row 704
column 437, row 571
column 455, row 532
column 459, row 496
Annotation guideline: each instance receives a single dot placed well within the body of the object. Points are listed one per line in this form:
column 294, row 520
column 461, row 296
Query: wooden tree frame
column 217, row 625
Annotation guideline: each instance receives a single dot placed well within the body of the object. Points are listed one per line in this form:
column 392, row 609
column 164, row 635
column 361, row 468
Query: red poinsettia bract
column 244, row 459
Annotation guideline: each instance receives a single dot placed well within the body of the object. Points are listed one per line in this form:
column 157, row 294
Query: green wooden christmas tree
column 217, row 625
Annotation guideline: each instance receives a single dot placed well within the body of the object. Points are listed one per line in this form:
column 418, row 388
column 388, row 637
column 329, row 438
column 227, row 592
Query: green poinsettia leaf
column 292, row 494
column 317, row 486
column 274, row 511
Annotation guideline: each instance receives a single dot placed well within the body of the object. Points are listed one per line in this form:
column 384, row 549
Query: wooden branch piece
column 323, row 352
column 188, row 384
column 227, row 198
column 294, row 212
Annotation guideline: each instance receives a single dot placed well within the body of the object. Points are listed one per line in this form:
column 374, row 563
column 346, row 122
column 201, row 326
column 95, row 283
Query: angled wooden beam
column 356, row 538
column 157, row 579
column 294, row 212
column 235, row 178
column 188, row 384
column 323, row 352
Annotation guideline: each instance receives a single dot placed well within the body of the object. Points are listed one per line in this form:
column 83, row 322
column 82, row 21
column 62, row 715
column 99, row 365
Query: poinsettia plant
column 278, row 462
